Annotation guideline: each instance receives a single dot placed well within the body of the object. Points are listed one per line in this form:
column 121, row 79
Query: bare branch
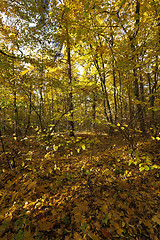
column 6, row 54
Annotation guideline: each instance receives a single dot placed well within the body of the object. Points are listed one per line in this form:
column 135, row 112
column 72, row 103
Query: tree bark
column 93, row 110
column 114, row 76
column 70, row 97
column 103, row 85
column 120, row 97
column 30, row 110
column 15, row 109
column 136, row 83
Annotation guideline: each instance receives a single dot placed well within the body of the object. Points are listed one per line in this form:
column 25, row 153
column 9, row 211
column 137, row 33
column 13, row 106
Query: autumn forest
column 79, row 119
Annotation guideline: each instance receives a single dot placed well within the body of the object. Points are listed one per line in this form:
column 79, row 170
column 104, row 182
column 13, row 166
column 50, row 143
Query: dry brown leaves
column 89, row 195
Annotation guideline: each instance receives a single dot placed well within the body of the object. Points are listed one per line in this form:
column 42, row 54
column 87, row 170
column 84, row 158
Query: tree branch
column 6, row 54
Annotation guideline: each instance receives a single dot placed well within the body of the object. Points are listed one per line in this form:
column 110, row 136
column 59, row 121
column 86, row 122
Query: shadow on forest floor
column 83, row 188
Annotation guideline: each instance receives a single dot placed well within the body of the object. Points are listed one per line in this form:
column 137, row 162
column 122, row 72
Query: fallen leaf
column 156, row 219
column 93, row 236
column 106, row 233
column 77, row 236
column 31, row 185
column 44, row 225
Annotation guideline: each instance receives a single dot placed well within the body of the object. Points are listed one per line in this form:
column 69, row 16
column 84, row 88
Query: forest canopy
column 79, row 65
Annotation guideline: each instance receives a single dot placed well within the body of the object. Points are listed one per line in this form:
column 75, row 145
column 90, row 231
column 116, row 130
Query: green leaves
column 83, row 227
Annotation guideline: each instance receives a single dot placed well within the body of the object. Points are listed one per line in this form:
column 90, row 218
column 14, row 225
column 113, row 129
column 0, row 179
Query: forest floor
column 88, row 188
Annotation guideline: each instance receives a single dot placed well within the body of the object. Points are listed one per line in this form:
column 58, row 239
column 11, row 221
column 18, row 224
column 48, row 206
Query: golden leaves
column 79, row 202
column 92, row 235
column 156, row 218
column 77, row 236
column 24, row 72
column 79, row 211
column 31, row 185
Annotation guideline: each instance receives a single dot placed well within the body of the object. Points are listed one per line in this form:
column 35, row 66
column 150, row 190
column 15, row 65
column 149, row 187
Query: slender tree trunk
column 115, row 97
column 106, row 100
column 15, row 109
column 41, row 92
column 15, row 114
column 136, row 83
column 103, row 85
column 85, row 106
column 131, row 113
column 30, row 110
column 114, row 76
column 4, row 119
column 153, row 89
column 151, row 98
column 85, row 113
column 108, row 104
column 41, row 102
column 139, row 107
column 52, row 104
column 120, row 97
column 93, row 110
column 40, row 109
column 70, row 97
column 142, row 95
column 103, row 79
column 105, row 110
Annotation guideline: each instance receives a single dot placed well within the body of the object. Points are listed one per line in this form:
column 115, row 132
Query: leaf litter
column 97, row 192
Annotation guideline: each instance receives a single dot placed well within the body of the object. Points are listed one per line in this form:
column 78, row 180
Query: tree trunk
column 103, row 85
column 142, row 95
column 131, row 113
column 93, row 110
column 139, row 107
column 136, row 84
column 15, row 109
column 114, row 76
column 30, row 111
column 120, row 97
column 70, row 97
column 15, row 114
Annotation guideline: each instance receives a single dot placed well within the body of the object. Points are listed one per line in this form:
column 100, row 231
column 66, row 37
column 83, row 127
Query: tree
column 59, row 47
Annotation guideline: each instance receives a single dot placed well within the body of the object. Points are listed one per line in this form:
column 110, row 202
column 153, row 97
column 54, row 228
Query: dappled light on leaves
column 84, row 197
